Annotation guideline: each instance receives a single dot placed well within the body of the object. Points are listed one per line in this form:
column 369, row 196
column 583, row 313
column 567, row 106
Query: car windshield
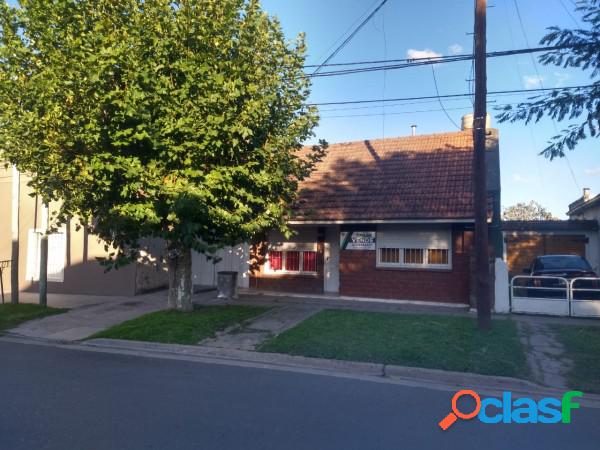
column 562, row 262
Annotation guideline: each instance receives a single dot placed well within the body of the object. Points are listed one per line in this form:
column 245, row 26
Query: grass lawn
column 430, row 341
column 582, row 345
column 175, row 327
column 13, row 315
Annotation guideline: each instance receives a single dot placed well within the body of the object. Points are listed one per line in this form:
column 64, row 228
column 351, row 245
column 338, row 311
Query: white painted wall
column 204, row 271
column 592, row 251
column 501, row 288
column 332, row 259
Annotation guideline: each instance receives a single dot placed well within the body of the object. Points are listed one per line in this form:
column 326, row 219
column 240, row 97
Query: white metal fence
column 557, row 296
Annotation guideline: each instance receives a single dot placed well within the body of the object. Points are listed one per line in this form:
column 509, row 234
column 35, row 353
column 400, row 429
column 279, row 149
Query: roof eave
column 378, row 221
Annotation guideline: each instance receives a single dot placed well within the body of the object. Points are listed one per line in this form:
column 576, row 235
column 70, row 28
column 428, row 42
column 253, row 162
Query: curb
column 374, row 372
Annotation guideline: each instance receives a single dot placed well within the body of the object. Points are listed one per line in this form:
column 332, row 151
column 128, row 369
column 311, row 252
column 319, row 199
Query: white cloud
column 595, row 172
column 532, row 81
column 455, row 49
column 561, row 78
column 518, row 178
column 427, row 53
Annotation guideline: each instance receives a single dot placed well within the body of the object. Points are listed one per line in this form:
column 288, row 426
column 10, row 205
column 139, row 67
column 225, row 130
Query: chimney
column 413, row 130
column 586, row 194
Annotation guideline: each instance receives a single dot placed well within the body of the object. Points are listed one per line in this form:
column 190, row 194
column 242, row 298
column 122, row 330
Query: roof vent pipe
column 413, row 130
column 586, row 194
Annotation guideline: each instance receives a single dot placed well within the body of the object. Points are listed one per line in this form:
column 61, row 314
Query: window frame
column 404, row 265
column 284, row 271
column 403, row 239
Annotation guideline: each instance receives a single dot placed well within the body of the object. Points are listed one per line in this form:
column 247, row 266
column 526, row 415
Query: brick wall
column 359, row 276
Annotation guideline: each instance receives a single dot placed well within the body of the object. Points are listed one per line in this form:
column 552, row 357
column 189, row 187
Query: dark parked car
column 563, row 266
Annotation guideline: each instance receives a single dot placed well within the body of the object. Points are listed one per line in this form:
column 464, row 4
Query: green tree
column 527, row 211
column 181, row 120
column 581, row 50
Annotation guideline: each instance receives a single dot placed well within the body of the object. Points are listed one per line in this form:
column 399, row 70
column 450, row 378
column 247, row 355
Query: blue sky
column 442, row 26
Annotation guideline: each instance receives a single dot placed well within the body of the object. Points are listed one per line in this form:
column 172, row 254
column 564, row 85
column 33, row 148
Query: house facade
column 388, row 219
column 587, row 208
column 73, row 267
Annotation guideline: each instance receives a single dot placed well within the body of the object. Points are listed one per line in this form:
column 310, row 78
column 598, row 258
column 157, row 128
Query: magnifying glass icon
column 456, row 413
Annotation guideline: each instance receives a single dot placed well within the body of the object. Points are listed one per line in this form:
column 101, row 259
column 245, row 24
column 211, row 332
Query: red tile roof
column 415, row 177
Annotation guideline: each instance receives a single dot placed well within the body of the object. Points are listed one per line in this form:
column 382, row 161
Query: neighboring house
column 388, row 218
column 526, row 239
column 72, row 253
column 587, row 207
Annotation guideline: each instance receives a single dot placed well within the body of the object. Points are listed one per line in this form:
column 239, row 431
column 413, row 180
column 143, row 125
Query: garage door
column 522, row 249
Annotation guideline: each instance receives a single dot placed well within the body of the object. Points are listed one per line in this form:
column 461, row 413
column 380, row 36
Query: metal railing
column 5, row 264
column 578, row 297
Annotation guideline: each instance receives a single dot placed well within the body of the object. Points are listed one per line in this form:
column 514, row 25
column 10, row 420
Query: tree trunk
column 179, row 263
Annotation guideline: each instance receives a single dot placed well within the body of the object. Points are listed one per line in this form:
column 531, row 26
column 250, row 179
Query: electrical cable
column 541, row 82
column 437, row 91
column 429, row 97
column 349, row 38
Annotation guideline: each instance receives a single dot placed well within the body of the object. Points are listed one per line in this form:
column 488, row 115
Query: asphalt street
column 53, row 398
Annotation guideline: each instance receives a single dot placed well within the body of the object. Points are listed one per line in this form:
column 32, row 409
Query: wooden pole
column 14, row 264
column 482, row 268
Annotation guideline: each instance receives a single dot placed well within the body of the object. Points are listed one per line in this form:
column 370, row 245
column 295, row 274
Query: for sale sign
column 358, row 240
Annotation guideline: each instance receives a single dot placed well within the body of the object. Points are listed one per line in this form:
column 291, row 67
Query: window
column 437, row 256
column 291, row 261
column 309, row 261
column 413, row 248
column 413, row 256
column 57, row 250
column 389, row 255
column 276, row 260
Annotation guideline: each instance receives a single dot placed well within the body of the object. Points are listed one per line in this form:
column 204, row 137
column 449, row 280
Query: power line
column 513, row 91
column 416, row 62
column 522, row 83
column 393, row 104
column 350, row 37
column 575, row 21
column 376, row 114
column 384, row 87
column 358, row 19
column 337, row 116
column 437, row 91
column 541, row 82
column 443, row 57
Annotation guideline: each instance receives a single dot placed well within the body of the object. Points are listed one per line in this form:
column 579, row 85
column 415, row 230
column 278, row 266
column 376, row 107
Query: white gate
column 540, row 295
column 585, row 297
column 556, row 296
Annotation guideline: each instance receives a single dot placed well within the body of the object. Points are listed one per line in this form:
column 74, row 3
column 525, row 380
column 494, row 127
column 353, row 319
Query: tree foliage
column 581, row 49
column 527, row 211
column 180, row 120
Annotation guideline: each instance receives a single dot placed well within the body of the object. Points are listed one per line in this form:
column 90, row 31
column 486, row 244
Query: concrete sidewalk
column 249, row 335
column 248, row 297
column 87, row 314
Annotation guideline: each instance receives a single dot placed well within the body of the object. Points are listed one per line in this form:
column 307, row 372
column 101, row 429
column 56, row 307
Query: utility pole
column 43, row 285
column 14, row 264
column 482, row 264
